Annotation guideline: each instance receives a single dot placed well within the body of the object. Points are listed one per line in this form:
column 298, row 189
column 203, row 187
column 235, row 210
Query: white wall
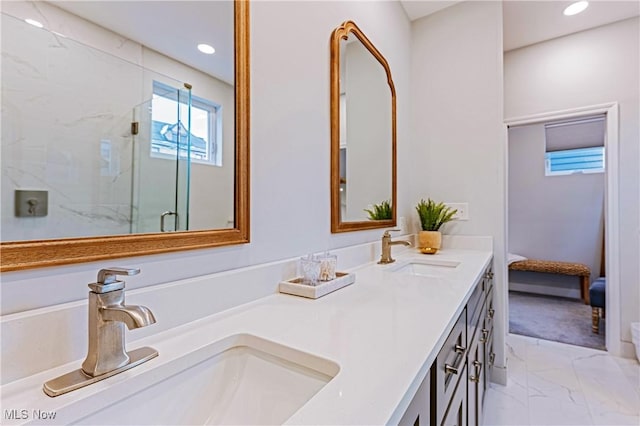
column 290, row 118
column 457, row 114
column 551, row 217
column 588, row 68
column 290, row 151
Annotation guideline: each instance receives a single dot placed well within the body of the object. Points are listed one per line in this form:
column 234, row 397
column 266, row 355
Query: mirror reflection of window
column 183, row 123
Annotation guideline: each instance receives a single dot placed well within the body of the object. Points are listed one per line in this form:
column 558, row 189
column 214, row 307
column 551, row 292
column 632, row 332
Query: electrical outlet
column 462, row 210
column 402, row 224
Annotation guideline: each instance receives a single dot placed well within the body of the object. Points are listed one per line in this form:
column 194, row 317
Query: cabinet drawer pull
column 492, row 312
column 492, row 358
column 477, row 365
column 485, row 334
column 488, row 275
column 450, row 370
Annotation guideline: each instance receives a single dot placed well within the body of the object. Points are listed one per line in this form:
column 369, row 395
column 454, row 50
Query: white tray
column 296, row 287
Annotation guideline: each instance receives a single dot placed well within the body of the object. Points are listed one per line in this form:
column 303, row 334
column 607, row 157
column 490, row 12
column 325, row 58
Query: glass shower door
column 162, row 161
column 183, row 160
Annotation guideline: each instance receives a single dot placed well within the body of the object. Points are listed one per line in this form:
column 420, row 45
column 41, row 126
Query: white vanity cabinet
column 480, row 349
column 419, row 410
column 449, row 373
column 488, row 326
column 461, row 371
column 426, row 326
column 457, row 412
column 475, row 354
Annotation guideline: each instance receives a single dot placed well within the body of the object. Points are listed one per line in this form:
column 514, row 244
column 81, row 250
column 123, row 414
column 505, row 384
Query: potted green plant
column 432, row 216
column 380, row 211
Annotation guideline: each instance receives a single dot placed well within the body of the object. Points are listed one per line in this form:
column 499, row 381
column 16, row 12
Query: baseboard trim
column 627, row 350
column 499, row 375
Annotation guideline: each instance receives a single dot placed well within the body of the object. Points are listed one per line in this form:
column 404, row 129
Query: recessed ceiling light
column 34, row 23
column 575, row 8
column 205, row 48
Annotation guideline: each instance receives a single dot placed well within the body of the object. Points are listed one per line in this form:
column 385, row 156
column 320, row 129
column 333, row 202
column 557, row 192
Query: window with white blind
column 575, row 146
column 582, row 160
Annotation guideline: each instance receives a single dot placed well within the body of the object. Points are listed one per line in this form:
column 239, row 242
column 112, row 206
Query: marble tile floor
column 551, row 383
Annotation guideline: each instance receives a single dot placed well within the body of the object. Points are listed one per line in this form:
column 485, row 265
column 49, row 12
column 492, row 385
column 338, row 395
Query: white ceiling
column 417, row 9
column 529, row 22
column 173, row 28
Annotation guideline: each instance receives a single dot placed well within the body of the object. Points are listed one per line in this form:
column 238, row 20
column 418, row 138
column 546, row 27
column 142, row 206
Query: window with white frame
column 180, row 129
column 575, row 146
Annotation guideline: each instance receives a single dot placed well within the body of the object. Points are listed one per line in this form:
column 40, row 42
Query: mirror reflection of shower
column 112, row 142
column 163, row 152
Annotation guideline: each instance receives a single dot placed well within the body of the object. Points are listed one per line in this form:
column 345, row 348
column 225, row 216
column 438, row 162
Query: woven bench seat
column 554, row 267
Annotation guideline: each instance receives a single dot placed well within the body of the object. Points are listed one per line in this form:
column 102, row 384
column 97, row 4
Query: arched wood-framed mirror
column 363, row 134
column 18, row 254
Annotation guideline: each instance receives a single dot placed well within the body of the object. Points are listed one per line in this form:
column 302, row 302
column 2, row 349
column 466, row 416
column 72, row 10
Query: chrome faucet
column 108, row 315
column 385, row 257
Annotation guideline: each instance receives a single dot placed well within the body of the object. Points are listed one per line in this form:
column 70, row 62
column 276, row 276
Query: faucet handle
column 387, row 233
column 108, row 275
column 107, row 279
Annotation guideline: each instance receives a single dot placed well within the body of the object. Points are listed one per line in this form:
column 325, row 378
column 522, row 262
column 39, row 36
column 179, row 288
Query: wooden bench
column 553, row 267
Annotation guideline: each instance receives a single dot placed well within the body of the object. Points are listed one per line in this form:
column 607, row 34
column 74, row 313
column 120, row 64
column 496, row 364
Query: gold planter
column 429, row 242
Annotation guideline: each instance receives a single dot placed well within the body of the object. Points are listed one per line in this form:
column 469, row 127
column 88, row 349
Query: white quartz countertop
column 384, row 332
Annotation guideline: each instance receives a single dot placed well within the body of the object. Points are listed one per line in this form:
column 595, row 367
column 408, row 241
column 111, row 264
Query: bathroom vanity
column 453, row 391
column 409, row 342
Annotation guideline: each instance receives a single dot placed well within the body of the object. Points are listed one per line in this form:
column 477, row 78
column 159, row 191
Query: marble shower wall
column 66, row 113
column 62, row 134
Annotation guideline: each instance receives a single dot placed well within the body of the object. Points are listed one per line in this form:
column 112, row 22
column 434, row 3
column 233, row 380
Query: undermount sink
column 426, row 267
column 242, row 379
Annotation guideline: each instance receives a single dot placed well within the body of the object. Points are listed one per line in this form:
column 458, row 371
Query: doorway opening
column 562, row 226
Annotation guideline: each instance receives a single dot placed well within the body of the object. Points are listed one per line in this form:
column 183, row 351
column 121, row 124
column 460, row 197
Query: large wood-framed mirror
column 103, row 197
column 363, row 134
